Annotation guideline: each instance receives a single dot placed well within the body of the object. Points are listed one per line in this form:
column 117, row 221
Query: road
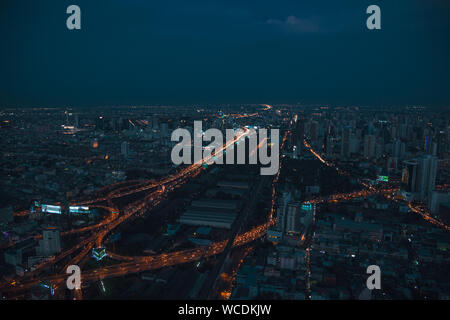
column 208, row 286
column 158, row 192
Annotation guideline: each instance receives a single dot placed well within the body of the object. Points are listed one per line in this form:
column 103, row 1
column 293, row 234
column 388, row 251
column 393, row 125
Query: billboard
column 383, row 178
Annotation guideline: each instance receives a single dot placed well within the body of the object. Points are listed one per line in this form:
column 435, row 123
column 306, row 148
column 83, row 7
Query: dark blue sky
column 206, row 51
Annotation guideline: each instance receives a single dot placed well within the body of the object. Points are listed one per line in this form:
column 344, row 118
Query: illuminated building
column 51, row 209
column 276, row 233
column 409, row 175
column 76, row 209
column 306, row 213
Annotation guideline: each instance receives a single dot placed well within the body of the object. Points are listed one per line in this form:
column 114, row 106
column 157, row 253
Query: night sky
column 142, row 52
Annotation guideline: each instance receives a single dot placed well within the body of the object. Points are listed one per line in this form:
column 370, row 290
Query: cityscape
column 96, row 188
column 292, row 156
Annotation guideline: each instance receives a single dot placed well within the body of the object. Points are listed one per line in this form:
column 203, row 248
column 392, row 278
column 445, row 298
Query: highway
column 416, row 207
column 139, row 264
column 158, row 191
column 139, row 207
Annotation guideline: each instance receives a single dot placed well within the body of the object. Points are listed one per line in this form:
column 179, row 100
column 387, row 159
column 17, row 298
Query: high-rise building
column 379, row 149
column 419, row 177
column 426, row 140
column 369, row 146
column 155, row 122
column 164, row 130
column 354, row 144
column 392, row 164
column 329, row 146
column 438, row 197
column 345, row 143
column 294, row 152
column 393, row 132
column 307, row 213
column 443, row 145
column 299, row 134
column 281, row 213
column 50, row 242
column 314, row 131
column 275, row 234
column 410, row 176
column 125, row 149
column 398, row 148
column 427, row 176
column 292, row 218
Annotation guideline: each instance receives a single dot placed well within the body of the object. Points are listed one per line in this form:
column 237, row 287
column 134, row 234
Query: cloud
column 297, row 25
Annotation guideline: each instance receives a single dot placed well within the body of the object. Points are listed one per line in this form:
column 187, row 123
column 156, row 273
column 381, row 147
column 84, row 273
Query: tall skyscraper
column 164, row 130
column 409, row 176
column 345, row 143
column 314, row 131
column 398, row 148
column 427, row 176
column 155, row 122
column 329, row 146
column 299, row 134
column 419, row 177
column 281, row 213
column 125, row 149
column 369, row 146
column 354, row 144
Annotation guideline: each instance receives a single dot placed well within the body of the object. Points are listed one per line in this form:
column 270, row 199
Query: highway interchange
column 157, row 191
